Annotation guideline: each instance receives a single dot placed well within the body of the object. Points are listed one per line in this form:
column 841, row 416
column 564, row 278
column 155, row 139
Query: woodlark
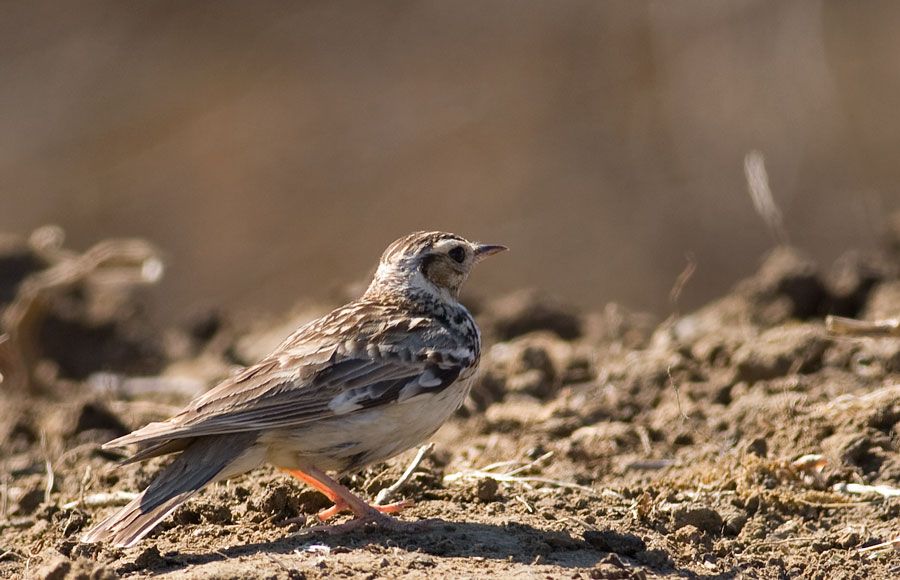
column 359, row 385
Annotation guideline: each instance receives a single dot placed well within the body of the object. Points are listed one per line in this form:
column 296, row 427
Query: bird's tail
column 203, row 461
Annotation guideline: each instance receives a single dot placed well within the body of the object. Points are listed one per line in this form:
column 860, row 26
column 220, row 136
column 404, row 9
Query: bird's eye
column 458, row 254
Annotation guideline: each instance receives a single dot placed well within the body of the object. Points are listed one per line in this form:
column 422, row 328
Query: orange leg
column 308, row 480
column 342, row 497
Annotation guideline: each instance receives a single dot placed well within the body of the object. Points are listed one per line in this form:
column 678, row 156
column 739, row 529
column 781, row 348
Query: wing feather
column 314, row 376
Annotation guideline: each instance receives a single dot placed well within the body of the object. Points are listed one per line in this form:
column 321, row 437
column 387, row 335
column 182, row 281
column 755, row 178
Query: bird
column 361, row 384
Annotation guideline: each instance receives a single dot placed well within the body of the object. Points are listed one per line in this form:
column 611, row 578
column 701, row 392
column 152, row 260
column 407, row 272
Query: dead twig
column 82, row 485
column 581, row 523
column 876, row 397
column 840, row 326
column 649, row 464
column 836, row 505
column 388, row 492
column 4, row 495
column 110, row 263
column 761, row 195
column 677, row 390
column 11, row 553
column 644, row 436
column 102, row 500
column 499, row 464
column 895, row 544
column 682, row 279
column 48, row 468
column 797, row 540
column 513, row 477
column 530, row 464
column 859, row 488
column 528, row 507
column 278, row 563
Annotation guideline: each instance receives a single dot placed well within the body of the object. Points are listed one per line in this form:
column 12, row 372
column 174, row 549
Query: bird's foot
column 371, row 518
column 341, row 506
column 344, row 500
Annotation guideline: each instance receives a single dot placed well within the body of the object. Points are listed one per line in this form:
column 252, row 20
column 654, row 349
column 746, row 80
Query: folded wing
column 282, row 392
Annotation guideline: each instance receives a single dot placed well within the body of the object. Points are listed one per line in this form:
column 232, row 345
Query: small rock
column 701, row 517
column 617, row 542
column 751, row 506
column 17, row 261
column 734, row 523
column 848, row 539
column 56, row 569
column 758, row 447
column 883, row 301
column 655, row 558
column 421, row 561
column 536, row 357
column 866, row 450
column 185, row 515
column 149, row 558
column 787, row 274
column 689, row 535
column 30, row 501
column 606, row 571
column 95, row 415
column 486, row 490
column 683, row 438
column 94, row 571
column 606, row 438
column 22, row 434
column 577, row 370
column 279, row 501
column 849, row 281
column 74, row 522
column 531, row 382
column 218, row 513
column 612, row 559
column 562, row 542
column 781, row 351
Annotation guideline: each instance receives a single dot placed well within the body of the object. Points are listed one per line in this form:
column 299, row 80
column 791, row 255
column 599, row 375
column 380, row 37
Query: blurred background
column 272, row 149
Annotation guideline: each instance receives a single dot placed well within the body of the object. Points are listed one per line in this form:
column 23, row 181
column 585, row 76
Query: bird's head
column 437, row 263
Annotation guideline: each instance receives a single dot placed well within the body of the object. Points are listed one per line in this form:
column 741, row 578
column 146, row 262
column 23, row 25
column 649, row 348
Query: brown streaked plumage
column 359, row 385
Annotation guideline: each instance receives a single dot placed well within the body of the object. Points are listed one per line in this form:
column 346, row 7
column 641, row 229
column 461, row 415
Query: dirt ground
column 728, row 442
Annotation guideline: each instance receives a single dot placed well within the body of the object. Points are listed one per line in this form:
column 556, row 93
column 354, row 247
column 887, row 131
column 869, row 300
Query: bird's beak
column 482, row 251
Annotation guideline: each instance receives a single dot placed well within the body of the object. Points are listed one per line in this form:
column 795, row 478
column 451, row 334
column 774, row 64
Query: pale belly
column 350, row 442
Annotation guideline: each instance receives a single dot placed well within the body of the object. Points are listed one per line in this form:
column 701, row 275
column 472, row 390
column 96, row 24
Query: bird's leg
column 325, row 514
column 308, row 480
column 343, row 498
column 296, row 473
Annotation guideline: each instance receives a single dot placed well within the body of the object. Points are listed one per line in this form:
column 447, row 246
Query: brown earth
column 651, row 448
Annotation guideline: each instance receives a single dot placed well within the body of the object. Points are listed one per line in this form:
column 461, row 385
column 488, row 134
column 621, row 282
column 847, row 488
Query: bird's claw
column 341, row 506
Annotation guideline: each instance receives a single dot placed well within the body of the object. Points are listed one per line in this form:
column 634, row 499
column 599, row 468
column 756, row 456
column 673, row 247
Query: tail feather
column 203, row 461
column 157, row 449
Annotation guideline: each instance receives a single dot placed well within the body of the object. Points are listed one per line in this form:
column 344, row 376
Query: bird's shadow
column 513, row 542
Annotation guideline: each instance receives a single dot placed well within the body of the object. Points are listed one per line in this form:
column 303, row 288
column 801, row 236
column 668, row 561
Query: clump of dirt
column 737, row 440
column 69, row 314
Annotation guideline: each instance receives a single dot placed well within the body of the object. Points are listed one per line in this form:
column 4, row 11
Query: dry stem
column 512, row 477
column 761, row 195
column 840, row 326
column 388, row 492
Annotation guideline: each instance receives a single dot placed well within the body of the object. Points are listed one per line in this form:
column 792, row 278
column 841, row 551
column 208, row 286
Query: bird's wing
column 313, row 376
